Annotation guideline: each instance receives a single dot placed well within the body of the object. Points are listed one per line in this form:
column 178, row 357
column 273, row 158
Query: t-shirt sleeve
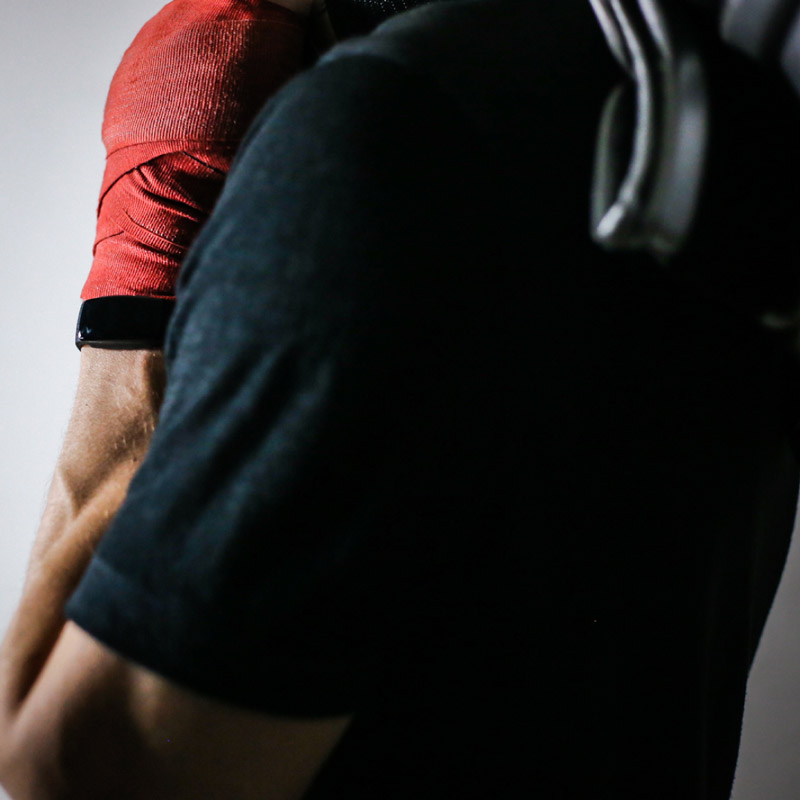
column 272, row 551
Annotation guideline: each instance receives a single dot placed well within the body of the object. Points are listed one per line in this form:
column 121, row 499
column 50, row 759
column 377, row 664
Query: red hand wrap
column 179, row 104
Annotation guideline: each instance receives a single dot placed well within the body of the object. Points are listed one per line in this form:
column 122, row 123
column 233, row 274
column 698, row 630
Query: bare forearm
column 116, row 408
column 119, row 394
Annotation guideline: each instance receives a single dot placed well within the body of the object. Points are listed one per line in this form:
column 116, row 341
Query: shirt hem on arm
column 153, row 632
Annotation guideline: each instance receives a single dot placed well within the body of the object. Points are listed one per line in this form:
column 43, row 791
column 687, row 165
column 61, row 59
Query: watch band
column 124, row 322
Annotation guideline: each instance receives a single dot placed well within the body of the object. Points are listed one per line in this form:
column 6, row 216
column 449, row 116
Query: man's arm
column 115, row 412
column 59, row 686
column 77, row 720
column 96, row 726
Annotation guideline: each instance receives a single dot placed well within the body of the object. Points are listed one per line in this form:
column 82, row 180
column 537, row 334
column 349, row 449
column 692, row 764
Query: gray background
column 57, row 60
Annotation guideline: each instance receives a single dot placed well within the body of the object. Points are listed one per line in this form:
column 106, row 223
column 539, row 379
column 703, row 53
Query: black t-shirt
column 428, row 456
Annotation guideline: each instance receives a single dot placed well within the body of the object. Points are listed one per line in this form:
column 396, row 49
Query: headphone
column 654, row 130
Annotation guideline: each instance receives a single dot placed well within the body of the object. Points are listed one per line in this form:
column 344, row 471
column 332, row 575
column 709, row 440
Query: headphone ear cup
column 758, row 27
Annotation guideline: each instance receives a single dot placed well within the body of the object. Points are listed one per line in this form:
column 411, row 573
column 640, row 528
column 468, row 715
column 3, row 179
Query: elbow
column 23, row 779
column 14, row 772
column 7, row 756
column 26, row 773
column 51, row 762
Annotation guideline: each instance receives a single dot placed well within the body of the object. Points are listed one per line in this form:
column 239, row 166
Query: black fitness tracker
column 124, row 322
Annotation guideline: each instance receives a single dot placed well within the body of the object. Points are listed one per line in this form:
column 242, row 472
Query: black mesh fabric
column 358, row 17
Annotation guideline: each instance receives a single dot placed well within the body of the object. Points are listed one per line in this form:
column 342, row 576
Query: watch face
column 358, row 17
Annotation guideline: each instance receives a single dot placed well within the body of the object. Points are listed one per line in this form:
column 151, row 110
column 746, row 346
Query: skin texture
column 76, row 719
column 115, row 412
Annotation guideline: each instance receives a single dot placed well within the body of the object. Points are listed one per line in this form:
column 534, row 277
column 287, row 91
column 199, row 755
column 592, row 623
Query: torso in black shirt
column 429, row 457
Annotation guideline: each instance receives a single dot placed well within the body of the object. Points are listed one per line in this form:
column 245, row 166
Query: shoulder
column 370, row 95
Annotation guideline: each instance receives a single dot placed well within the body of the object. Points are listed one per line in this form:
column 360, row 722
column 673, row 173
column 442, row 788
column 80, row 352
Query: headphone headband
column 652, row 148
column 650, row 204
column 653, row 136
